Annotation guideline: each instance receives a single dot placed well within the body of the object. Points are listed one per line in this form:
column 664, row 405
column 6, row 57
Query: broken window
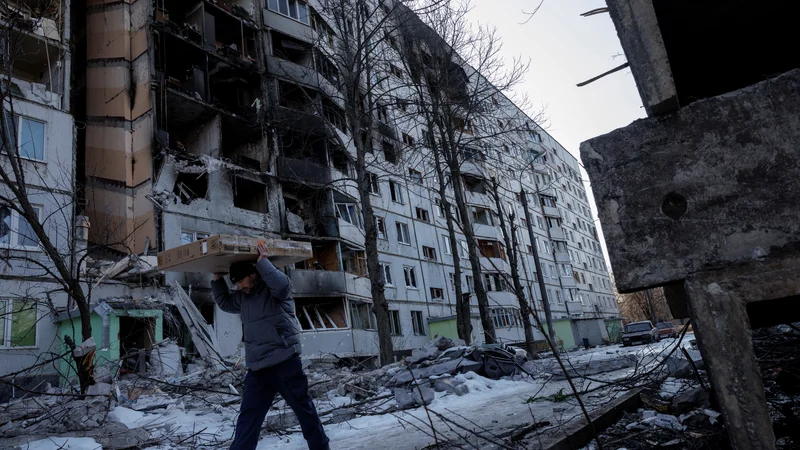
column 475, row 185
column 415, row 175
column 492, row 249
column 188, row 236
column 355, row 263
column 438, row 293
column 361, row 316
column 394, row 322
column 408, row 140
column 15, row 231
column 446, row 243
column 548, row 201
column 410, row 277
column 389, row 152
column 503, row 317
column 191, row 186
column 349, row 213
column 422, row 215
column 380, row 225
column 482, row 216
column 374, row 188
column 318, row 314
column 417, row 323
column 397, row 192
column 429, row 253
column 386, row 270
column 494, row 282
column 250, row 195
column 291, row 49
column 341, row 162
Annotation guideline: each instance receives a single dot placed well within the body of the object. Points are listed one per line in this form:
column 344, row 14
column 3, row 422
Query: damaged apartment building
column 203, row 118
column 35, row 63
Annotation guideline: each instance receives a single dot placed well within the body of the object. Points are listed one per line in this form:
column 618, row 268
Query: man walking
column 272, row 349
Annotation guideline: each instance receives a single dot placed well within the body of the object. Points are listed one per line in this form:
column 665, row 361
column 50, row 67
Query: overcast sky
column 566, row 49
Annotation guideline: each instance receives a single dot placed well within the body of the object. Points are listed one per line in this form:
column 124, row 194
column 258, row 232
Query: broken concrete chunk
column 403, row 398
column 443, row 343
column 423, row 396
column 99, row 389
column 691, row 399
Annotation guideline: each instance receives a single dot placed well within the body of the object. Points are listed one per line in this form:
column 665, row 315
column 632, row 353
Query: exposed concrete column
column 722, row 327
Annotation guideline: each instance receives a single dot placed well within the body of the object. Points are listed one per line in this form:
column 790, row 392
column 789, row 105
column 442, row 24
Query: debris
column 165, row 359
column 403, row 398
column 664, row 421
column 203, row 336
column 691, row 399
column 99, row 389
column 423, row 396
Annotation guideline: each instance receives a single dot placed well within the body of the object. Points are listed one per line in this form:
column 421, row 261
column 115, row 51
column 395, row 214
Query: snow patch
column 125, row 416
column 66, row 443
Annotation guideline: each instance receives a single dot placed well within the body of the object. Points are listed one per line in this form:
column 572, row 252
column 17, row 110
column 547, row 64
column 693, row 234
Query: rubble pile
column 415, row 380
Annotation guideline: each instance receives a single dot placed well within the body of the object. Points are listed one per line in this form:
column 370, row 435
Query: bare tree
column 634, row 307
column 458, row 75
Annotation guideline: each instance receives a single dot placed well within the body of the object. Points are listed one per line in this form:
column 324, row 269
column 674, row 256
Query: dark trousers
column 260, row 387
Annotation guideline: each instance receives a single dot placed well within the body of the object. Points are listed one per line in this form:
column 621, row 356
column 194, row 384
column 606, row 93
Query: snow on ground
column 65, row 443
column 494, row 406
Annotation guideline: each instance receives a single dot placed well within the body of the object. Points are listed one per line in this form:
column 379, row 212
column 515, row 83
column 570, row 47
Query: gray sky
column 565, row 49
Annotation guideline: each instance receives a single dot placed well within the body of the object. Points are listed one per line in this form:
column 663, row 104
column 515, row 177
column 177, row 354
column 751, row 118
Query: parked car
column 639, row 333
column 667, row 329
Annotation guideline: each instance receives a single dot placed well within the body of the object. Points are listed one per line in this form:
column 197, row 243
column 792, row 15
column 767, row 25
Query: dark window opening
column 389, row 152
column 249, row 195
column 320, row 314
column 136, row 337
column 290, row 49
column 191, row 186
column 475, row 184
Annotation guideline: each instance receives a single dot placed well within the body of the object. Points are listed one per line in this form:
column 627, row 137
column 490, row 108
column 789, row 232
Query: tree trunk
column 548, row 314
column 474, row 259
column 463, row 309
column 511, row 249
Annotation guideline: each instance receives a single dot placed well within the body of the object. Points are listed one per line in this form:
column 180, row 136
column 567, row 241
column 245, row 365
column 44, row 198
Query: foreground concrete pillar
column 720, row 321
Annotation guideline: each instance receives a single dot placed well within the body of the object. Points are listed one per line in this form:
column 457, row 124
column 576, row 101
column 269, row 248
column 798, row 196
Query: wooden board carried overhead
column 216, row 253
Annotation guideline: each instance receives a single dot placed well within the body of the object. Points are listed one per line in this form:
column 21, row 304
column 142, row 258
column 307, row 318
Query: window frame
column 195, row 235
column 386, row 269
column 401, row 227
column 395, row 329
column 380, row 228
column 431, row 251
column 276, row 10
column 374, row 186
column 396, row 192
column 355, row 214
column 7, row 318
column 422, row 214
column 409, row 274
column 14, row 231
column 417, row 323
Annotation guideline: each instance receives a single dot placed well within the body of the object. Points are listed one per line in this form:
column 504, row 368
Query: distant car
column 639, row 333
column 667, row 329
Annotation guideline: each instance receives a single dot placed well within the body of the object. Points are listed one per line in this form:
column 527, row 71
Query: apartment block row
column 187, row 119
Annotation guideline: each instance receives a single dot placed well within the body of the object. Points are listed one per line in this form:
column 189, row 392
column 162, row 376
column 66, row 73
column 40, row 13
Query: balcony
column 317, row 282
column 351, row 233
column 557, row 234
column 551, row 211
column 568, row 282
column 358, row 286
column 495, row 265
column 562, row 257
column 304, row 171
column 486, row 231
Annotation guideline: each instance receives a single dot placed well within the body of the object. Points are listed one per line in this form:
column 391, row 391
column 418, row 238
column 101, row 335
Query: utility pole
column 650, row 305
column 539, row 276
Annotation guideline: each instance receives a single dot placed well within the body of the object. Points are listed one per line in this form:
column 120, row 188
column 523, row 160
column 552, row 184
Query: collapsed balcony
column 197, row 86
column 223, row 28
column 32, row 56
column 307, row 110
column 309, row 212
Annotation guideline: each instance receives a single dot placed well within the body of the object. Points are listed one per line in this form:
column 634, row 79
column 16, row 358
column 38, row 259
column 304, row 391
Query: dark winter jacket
column 271, row 330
